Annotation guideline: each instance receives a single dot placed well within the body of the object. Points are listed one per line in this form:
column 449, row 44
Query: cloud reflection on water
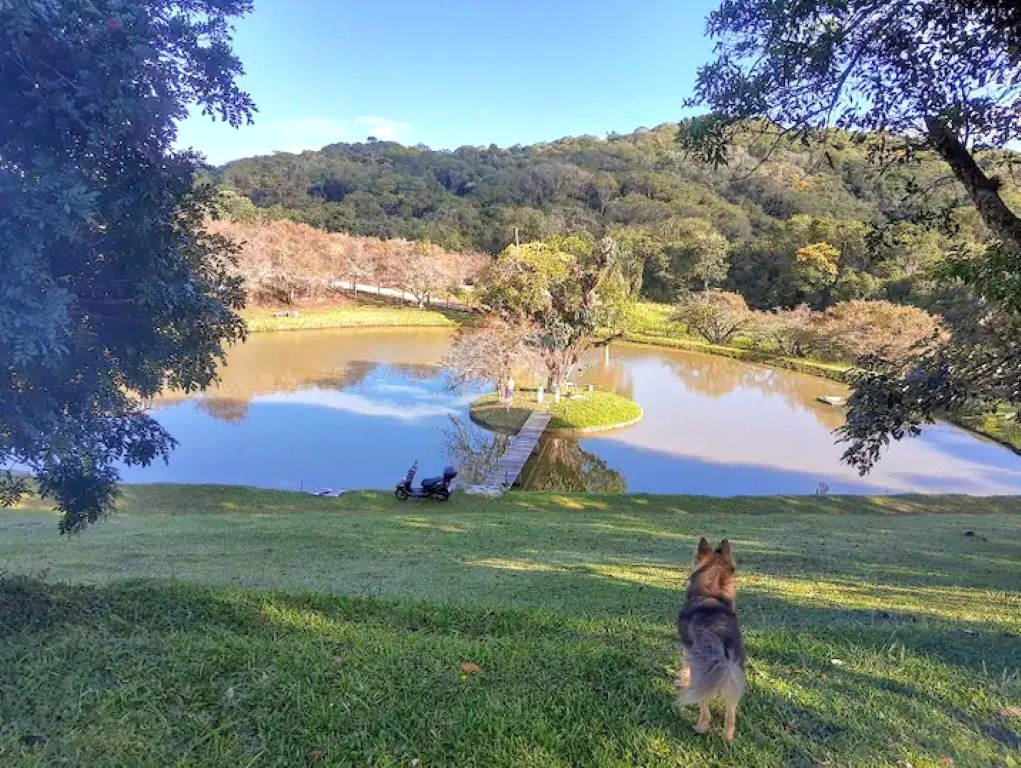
column 352, row 408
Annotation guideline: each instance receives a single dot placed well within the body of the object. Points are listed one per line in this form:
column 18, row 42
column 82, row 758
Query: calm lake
column 349, row 409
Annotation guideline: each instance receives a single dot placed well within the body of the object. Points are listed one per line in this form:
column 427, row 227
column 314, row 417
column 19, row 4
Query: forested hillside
column 781, row 224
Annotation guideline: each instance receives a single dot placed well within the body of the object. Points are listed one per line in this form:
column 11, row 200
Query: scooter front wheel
column 401, row 493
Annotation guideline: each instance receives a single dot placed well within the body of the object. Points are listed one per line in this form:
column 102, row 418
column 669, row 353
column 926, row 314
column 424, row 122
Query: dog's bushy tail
column 715, row 669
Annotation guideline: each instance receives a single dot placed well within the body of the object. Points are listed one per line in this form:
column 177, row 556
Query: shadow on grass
column 977, row 646
column 568, row 691
column 571, row 695
column 979, row 725
column 214, row 499
column 908, row 504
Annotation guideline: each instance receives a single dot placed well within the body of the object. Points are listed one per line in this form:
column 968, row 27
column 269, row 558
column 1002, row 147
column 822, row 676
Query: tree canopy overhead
column 109, row 289
column 911, row 78
column 918, row 74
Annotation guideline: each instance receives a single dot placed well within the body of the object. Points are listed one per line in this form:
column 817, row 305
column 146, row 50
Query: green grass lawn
column 834, row 371
column 653, row 318
column 354, row 314
column 212, row 626
column 587, row 411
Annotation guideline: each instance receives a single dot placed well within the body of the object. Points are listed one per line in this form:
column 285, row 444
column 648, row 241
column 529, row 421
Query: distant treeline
column 782, row 225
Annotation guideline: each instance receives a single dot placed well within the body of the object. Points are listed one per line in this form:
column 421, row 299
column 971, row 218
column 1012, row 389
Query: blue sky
column 447, row 73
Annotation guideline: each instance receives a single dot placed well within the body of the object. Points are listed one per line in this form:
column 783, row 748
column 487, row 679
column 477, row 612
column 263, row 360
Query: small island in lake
column 580, row 411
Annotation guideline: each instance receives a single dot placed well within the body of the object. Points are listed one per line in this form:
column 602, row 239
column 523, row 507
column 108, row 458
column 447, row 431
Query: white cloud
column 384, row 129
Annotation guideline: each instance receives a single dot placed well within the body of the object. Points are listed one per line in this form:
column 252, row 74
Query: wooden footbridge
column 519, row 448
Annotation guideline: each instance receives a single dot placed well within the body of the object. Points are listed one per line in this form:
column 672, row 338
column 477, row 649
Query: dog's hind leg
column 731, row 722
column 704, row 717
column 732, row 691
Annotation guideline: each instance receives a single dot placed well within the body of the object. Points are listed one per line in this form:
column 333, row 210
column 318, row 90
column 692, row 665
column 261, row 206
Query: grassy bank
column 832, row 371
column 587, row 412
column 351, row 314
column 650, row 323
column 1001, row 425
column 529, row 630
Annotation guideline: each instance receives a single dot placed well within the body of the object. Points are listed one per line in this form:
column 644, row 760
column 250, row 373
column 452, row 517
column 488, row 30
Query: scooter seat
column 431, row 482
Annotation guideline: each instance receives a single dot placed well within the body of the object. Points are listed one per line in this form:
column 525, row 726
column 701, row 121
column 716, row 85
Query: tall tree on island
column 109, row 289
column 571, row 290
column 913, row 79
column 492, row 352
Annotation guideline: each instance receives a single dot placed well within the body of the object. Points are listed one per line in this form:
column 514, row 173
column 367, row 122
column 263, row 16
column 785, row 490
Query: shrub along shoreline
column 651, row 327
column 831, row 371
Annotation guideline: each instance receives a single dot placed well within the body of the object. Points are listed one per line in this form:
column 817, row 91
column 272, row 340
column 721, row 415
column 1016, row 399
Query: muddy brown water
column 352, row 408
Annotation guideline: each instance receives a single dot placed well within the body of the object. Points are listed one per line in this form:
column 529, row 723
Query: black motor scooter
column 432, row 487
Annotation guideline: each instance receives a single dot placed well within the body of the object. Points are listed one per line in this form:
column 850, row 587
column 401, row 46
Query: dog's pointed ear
column 724, row 549
column 704, row 549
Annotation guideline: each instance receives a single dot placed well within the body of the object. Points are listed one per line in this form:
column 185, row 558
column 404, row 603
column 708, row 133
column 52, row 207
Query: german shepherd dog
column 711, row 638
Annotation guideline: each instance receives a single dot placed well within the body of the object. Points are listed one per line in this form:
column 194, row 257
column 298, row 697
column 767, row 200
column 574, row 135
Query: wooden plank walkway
column 519, row 448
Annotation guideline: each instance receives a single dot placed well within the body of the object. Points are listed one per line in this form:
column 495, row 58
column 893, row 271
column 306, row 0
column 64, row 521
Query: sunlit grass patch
column 894, row 602
column 577, row 411
column 515, row 565
column 350, row 315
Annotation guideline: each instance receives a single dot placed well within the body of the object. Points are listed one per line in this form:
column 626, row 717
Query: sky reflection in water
column 353, row 409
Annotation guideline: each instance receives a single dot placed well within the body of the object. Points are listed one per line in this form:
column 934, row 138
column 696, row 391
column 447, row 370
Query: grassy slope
column 592, row 410
column 565, row 603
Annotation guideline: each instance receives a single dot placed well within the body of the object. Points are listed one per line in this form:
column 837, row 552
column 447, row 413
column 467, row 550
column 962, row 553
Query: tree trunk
column 556, row 376
column 558, row 367
column 984, row 192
